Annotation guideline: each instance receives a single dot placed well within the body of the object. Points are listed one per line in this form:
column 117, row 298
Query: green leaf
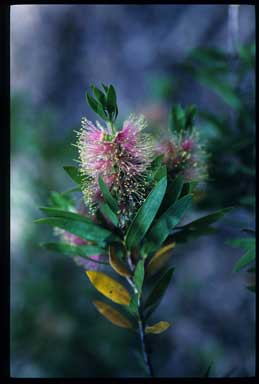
column 160, row 173
column 92, row 102
column 70, row 190
column 158, row 292
column 132, row 308
column 157, row 162
column 73, row 172
column 85, row 230
column 177, row 119
column 75, row 250
column 59, row 200
column 249, row 245
column 96, row 106
column 100, row 96
column 138, row 276
column 173, row 192
column 145, row 215
column 190, row 112
column 109, row 199
column 105, row 88
column 221, row 88
column 199, row 227
column 207, row 220
column 111, row 98
column 54, row 212
column 210, row 57
column 165, row 224
column 109, row 214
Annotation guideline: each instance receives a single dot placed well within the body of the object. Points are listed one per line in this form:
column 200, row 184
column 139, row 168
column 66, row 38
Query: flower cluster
column 122, row 159
column 184, row 154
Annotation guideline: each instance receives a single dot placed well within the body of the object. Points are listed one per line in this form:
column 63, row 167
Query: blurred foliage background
column 155, row 56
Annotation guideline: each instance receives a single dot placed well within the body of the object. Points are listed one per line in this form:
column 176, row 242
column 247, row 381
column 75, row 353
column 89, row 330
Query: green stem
column 143, row 341
column 141, row 323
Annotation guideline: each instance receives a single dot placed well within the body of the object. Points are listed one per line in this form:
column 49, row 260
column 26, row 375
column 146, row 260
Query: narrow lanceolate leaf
column 177, row 119
column 157, row 328
column 109, row 214
column 76, row 250
column 132, row 308
column 113, row 315
column 159, row 259
column 245, row 260
column 96, row 106
column 248, row 244
column 199, row 227
column 166, row 223
column 85, row 230
column 158, row 291
column 109, row 287
column 111, row 98
column 173, row 192
column 160, row 173
column 58, row 200
column 56, row 212
column 70, row 190
column 73, row 172
column 99, row 95
column 117, row 264
column 145, row 215
column 110, row 200
column 138, row 277
column 157, row 162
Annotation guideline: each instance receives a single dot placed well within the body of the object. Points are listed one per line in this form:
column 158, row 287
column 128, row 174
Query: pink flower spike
column 187, row 144
column 122, row 159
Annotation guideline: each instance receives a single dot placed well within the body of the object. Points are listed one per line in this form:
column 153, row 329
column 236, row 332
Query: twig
column 141, row 324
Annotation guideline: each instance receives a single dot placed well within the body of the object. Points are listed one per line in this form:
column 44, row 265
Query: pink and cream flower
column 122, row 159
column 184, row 154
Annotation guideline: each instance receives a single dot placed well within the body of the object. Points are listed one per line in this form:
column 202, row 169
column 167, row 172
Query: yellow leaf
column 117, row 264
column 109, row 287
column 112, row 314
column 159, row 259
column 157, row 328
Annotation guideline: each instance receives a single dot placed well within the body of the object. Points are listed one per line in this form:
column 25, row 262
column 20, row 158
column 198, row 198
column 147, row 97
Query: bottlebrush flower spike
column 122, row 159
column 184, row 154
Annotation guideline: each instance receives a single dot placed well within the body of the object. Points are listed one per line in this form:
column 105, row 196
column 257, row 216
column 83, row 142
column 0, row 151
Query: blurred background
column 155, row 56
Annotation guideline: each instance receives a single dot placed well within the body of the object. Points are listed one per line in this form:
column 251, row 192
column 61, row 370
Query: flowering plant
column 135, row 194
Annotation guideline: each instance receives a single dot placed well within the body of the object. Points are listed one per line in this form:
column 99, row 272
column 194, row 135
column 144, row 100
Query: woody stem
column 141, row 324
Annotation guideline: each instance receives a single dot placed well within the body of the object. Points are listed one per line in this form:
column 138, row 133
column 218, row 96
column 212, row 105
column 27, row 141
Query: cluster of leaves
column 231, row 133
column 149, row 239
column 104, row 103
column 181, row 120
column 142, row 252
